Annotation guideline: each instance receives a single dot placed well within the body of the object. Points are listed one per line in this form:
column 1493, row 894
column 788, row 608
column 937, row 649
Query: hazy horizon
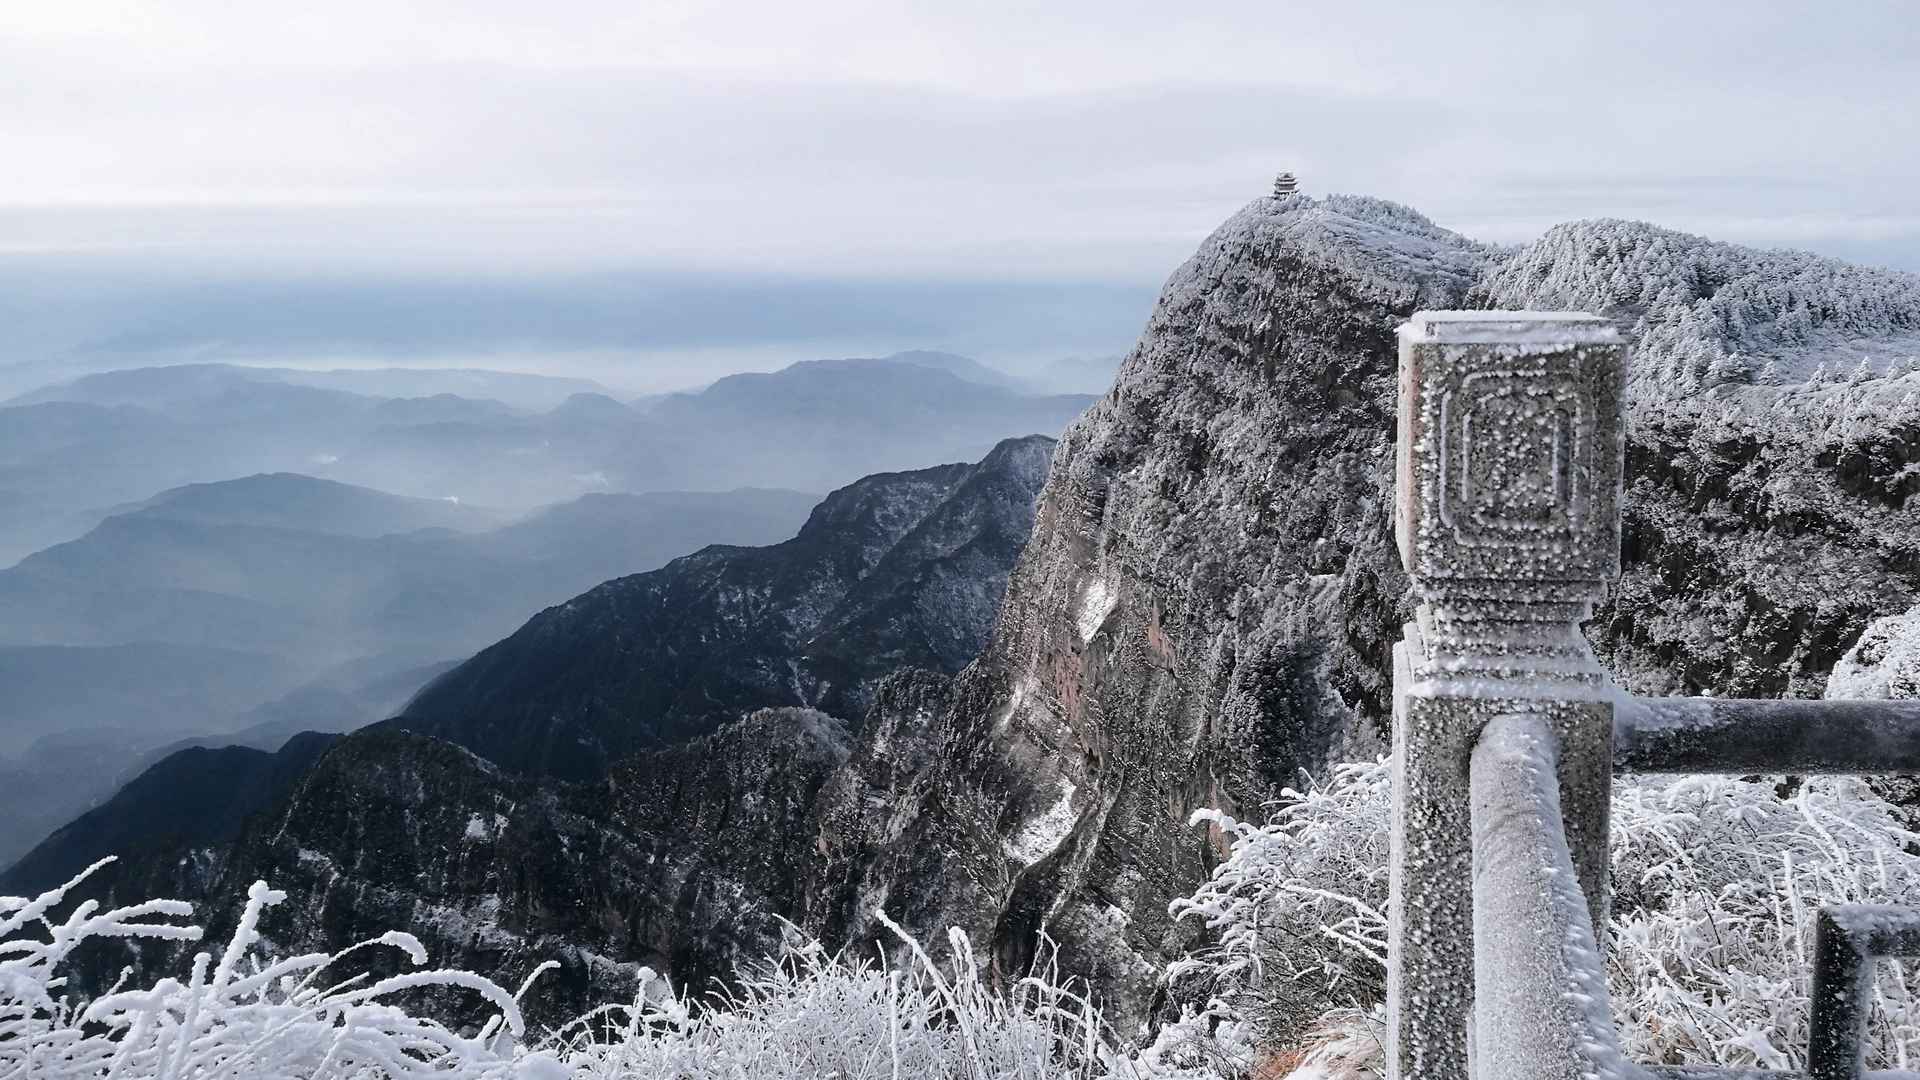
column 667, row 192
column 637, row 333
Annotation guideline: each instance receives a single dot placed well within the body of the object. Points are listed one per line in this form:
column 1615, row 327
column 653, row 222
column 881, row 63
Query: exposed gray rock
column 1206, row 605
column 1210, row 594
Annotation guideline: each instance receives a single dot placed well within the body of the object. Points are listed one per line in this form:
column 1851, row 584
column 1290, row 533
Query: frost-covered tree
column 1717, row 881
column 1693, row 305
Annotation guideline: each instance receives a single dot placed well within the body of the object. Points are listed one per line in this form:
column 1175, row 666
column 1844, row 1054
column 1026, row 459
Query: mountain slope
column 910, row 562
column 1712, row 312
column 187, row 801
column 681, row 858
column 689, row 838
column 1211, row 591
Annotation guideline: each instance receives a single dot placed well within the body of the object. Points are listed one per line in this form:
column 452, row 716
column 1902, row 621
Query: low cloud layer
column 369, row 179
column 1069, row 139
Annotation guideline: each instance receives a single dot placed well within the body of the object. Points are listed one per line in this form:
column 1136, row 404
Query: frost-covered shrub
column 1297, row 912
column 1884, row 664
column 241, row 1016
column 814, row 1014
column 805, row 1016
column 1716, row 883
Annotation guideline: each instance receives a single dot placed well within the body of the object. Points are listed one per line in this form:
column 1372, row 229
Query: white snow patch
column 1884, row 664
column 1044, row 834
column 1095, row 605
column 477, row 828
column 1015, row 700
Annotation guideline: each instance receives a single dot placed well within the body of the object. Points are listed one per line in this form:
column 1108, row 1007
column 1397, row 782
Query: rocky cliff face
column 896, row 569
column 1206, row 606
column 1210, row 594
column 680, row 858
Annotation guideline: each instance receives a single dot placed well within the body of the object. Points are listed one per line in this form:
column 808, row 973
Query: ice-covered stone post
column 1508, row 520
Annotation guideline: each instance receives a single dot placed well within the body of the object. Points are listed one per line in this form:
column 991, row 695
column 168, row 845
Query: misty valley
column 213, row 554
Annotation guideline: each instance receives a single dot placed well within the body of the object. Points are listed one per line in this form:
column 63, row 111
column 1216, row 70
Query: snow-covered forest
column 1720, row 313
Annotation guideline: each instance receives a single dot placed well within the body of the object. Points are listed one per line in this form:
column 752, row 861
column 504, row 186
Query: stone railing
column 1507, row 732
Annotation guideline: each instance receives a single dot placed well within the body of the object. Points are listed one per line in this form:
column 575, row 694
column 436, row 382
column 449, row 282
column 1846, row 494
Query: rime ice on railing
column 1508, row 519
column 1509, row 475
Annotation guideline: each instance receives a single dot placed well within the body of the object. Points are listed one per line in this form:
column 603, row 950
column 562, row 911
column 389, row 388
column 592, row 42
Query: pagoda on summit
column 1285, row 185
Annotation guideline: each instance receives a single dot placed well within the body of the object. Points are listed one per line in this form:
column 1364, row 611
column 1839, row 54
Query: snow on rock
column 1883, row 664
column 1230, row 500
column 1095, row 605
column 1043, row 834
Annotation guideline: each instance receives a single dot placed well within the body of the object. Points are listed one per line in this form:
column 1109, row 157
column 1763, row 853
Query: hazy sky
column 1082, row 142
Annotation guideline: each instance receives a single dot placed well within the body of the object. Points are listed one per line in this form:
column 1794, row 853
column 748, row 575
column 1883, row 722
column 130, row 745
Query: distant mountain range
column 67, row 452
column 282, row 602
column 399, row 521
column 167, row 388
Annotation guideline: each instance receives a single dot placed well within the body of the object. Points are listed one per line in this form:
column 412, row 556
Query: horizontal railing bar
column 1735, row 736
column 1721, row 1073
column 1540, row 999
column 1715, row 1072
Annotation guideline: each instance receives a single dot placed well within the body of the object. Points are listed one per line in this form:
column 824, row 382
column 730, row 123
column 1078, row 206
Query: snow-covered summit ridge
column 1714, row 312
column 1701, row 312
column 1383, row 242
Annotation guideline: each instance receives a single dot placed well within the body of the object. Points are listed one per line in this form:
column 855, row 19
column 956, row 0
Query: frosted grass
column 803, row 1016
